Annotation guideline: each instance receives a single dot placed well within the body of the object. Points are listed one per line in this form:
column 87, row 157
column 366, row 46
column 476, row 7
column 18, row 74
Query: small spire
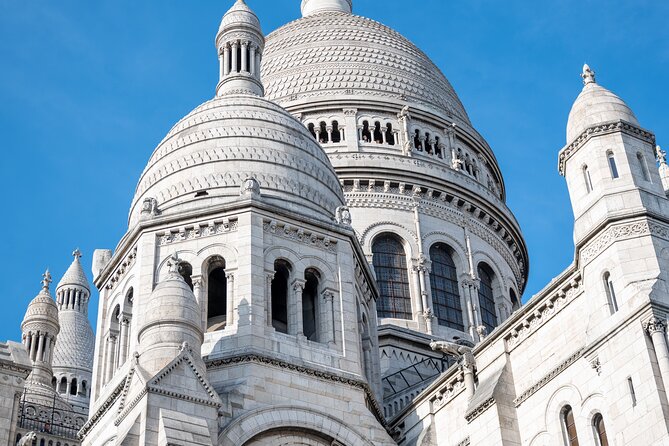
column 46, row 280
column 76, row 254
column 588, row 75
column 661, row 155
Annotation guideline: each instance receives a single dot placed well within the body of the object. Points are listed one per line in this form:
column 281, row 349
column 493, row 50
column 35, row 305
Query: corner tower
column 73, row 355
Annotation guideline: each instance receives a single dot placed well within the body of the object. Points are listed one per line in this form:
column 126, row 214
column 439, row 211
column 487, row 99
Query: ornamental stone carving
column 250, row 188
column 343, row 216
column 655, row 325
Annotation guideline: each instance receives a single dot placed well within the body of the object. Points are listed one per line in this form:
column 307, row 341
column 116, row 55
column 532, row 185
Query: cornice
column 102, row 410
column 478, row 410
column 606, row 128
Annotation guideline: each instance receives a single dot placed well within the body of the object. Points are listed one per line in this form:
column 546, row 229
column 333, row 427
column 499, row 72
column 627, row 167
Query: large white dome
column 208, row 155
column 335, row 54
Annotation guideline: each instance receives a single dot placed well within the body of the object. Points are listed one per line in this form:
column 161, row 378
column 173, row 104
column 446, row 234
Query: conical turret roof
column 75, row 274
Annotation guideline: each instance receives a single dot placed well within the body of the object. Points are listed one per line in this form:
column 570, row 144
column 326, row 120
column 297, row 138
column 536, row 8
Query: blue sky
column 88, row 89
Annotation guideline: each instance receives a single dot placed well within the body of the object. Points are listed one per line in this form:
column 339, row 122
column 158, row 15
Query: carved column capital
column 328, row 296
column 655, row 325
column 298, row 285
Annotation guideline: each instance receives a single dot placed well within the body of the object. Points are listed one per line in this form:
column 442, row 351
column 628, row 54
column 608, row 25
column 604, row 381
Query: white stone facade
column 322, row 255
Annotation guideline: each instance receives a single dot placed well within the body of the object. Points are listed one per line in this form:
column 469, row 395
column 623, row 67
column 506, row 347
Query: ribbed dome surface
column 336, row 54
column 76, row 342
column 227, row 140
column 596, row 105
column 42, row 309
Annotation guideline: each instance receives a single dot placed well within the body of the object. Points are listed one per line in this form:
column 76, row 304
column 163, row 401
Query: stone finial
column 588, row 75
column 661, row 155
column 76, row 254
column 46, row 280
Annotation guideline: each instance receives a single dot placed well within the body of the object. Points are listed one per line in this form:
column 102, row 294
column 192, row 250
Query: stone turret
column 240, row 43
column 40, row 329
column 73, row 356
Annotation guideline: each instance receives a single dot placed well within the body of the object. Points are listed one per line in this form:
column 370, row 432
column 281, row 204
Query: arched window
column 390, row 135
column 42, row 442
column 366, row 134
column 323, row 135
column 418, row 145
column 445, row 289
column 54, row 383
column 390, row 264
column 437, row 147
column 644, row 166
column 486, row 297
column 84, row 388
column 312, row 130
column 569, row 427
column 280, row 296
column 217, row 295
column 612, row 164
column 515, row 304
column 600, row 430
column 610, row 292
column 336, row 133
column 378, row 136
column 73, row 387
column 186, row 271
column 310, row 304
column 63, row 386
column 587, row 179
column 428, row 145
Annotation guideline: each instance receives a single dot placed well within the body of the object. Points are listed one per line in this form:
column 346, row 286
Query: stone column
column 226, row 61
column 245, row 56
column 328, row 317
column 33, row 346
column 40, row 348
column 230, row 304
column 198, row 291
column 329, row 130
column 423, row 276
column 468, row 288
column 295, row 309
column 124, row 339
column 268, row 299
column 221, row 66
column 384, row 136
column 109, row 357
column 351, row 123
column 656, row 328
column 252, row 59
column 235, row 61
column 467, row 368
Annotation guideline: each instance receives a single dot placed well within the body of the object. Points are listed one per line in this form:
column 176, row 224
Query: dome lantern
column 240, row 43
column 310, row 7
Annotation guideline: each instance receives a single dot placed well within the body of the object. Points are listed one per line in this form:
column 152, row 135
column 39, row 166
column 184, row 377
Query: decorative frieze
column 534, row 388
column 478, row 410
column 299, row 234
column 121, row 269
column 622, row 231
column 191, row 232
column 544, row 312
column 600, row 130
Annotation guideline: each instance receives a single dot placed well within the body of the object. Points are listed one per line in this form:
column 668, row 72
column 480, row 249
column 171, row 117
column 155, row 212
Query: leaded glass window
column 445, row 289
column 392, row 277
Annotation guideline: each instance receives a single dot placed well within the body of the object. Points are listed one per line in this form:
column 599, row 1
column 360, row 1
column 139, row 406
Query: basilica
column 322, row 255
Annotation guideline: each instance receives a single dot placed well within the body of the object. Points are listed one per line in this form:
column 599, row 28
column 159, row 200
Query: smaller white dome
column 310, row 7
column 239, row 15
column 596, row 105
column 42, row 309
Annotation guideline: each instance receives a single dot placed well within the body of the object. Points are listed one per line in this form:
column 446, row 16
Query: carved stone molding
column 191, row 232
column 478, row 410
column 655, row 325
column 600, row 130
column 121, row 269
column 534, row 388
column 622, row 231
column 299, row 234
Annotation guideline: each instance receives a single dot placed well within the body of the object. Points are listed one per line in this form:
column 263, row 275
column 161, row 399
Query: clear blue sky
column 88, row 88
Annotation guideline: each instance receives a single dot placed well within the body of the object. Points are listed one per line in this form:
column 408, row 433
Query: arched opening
column 612, row 164
column 378, row 136
column 600, row 430
column 217, row 295
column 390, row 134
column 445, row 289
column 587, row 179
column 569, row 427
column 610, row 292
column 54, row 383
column 186, row 271
column 42, row 442
column 437, row 147
column 73, row 387
column 312, row 129
column 336, row 133
column 323, row 135
column 515, row 303
column 310, row 304
column 645, row 173
column 366, row 134
column 486, row 297
column 84, row 389
column 428, row 143
column 418, row 145
column 392, row 277
column 239, row 58
column 280, row 296
column 62, row 389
